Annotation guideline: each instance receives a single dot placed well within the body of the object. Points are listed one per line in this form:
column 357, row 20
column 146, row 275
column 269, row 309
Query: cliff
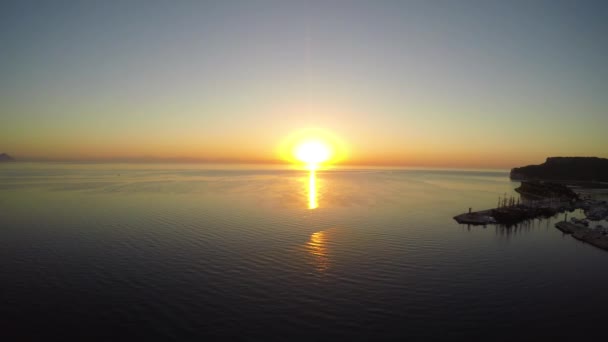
column 6, row 158
column 565, row 169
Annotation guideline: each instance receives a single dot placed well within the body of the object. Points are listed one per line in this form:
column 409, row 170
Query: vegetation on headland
column 540, row 189
column 582, row 169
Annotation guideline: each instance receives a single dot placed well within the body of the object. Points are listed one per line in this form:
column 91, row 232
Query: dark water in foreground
column 114, row 252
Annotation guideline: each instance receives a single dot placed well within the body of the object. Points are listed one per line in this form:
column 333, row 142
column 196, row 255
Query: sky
column 492, row 84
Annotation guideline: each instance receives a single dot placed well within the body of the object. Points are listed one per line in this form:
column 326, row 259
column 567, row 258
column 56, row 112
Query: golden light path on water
column 314, row 152
column 317, row 244
column 312, row 148
column 317, row 247
column 312, row 190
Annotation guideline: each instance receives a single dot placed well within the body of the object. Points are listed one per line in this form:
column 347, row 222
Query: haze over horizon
column 454, row 84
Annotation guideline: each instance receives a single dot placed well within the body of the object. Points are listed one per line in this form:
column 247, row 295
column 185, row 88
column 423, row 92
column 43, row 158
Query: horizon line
column 233, row 161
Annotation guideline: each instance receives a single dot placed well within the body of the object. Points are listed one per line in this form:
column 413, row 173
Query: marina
column 550, row 199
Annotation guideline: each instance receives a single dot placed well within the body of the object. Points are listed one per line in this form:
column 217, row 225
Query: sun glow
column 312, row 152
column 313, row 149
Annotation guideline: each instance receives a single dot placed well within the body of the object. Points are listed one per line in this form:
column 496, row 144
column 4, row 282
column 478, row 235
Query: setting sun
column 312, row 152
column 312, row 147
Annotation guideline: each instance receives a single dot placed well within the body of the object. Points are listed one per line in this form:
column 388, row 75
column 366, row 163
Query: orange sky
column 410, row 84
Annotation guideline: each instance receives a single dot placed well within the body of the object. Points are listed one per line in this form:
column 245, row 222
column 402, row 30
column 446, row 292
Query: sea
column 198, row 252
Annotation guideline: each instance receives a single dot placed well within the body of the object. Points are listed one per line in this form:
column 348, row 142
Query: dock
column 476, row 218
column 595, row 237
column 510, row 215
column 544, row 200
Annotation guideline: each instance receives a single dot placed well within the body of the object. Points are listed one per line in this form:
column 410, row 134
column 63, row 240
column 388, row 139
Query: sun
column 313, row 152
column 313, row 148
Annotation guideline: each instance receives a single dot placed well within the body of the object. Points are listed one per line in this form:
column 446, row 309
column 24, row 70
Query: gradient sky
column 436, row 83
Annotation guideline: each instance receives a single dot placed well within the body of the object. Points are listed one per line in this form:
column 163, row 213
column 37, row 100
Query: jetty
column 476, row 218
column 597, row 237
column 511, row 211
column 548, row 199
column 508, row 215
column 538, row 199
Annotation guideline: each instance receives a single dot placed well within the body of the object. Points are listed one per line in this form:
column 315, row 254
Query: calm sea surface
column 187, row 252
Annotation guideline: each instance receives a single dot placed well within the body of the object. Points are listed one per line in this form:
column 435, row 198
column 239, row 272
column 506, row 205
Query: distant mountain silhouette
column 6, row 158
column 565, row 169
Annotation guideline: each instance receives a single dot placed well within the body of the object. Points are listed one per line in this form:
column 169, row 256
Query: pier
column 597, row 237
column 511, row 211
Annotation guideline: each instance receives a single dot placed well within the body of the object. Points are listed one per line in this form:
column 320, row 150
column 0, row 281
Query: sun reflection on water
column 312, row 190
column 317, row 247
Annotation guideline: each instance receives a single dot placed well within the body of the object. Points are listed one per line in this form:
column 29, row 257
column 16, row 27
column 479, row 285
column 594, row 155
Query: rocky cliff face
column 565, row 169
